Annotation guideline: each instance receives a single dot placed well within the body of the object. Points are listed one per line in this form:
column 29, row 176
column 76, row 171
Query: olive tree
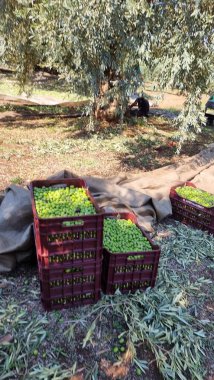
column 98, row 47
column 182, row 56
column 93, row 44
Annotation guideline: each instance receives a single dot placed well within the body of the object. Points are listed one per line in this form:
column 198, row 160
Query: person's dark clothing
column 143, row 107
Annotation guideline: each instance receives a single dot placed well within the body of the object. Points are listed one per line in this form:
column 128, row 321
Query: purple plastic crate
column 191, row 213
column 78, row 285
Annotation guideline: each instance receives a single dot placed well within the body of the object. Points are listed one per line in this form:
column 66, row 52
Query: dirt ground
column 36, row 147
column 37, row 141
column 169, row 99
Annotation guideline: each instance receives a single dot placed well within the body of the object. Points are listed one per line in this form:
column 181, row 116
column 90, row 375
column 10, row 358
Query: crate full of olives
column 130, row 258
column 68, row 224
column 193, row 206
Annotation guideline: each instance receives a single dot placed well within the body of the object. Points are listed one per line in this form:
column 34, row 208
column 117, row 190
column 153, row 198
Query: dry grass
column 40, row 147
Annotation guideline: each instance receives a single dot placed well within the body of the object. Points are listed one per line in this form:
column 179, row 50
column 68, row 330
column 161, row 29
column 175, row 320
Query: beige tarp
column 147, row 195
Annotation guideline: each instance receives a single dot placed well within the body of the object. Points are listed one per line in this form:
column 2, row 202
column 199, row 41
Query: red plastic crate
column 78, row 285
column 191, row 213
column 125, row 271
column 59, row 245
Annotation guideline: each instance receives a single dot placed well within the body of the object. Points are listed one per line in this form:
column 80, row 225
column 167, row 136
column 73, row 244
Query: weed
column 17, row 180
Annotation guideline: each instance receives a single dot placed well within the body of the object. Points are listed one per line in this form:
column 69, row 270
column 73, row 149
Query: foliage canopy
column 98, row 46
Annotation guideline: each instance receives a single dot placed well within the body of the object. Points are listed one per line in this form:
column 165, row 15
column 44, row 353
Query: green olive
column 123, row 236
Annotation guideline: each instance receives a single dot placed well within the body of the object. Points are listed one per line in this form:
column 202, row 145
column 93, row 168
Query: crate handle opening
column 73, row 270
column 135, row 257
column 71, row 223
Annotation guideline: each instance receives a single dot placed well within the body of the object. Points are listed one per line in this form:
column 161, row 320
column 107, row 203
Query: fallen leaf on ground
column 165, row 234
column 210, row 307
column 77, row 377
column 171, row 144
column 6, row 339
column 114, row 371
column 5, row 283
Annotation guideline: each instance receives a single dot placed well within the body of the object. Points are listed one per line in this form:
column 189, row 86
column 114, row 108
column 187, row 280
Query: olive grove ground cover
column 36, row 148
column 170, row 327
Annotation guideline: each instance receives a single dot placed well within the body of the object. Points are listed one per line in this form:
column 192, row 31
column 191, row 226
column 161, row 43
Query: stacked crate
column 191, row 213
column 69, row 253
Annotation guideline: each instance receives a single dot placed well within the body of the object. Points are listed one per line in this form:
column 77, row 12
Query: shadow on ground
column 145, row 154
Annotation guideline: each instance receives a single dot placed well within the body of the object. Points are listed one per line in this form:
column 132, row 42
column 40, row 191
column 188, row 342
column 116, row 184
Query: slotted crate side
column 184, row 214
column 132, row 270
column 78, row 285
column 73, row 301
column 54, row 237
column 60, row 245
column 191, row 213
column 129, row 275
column 65, row 256
column 74, row 280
